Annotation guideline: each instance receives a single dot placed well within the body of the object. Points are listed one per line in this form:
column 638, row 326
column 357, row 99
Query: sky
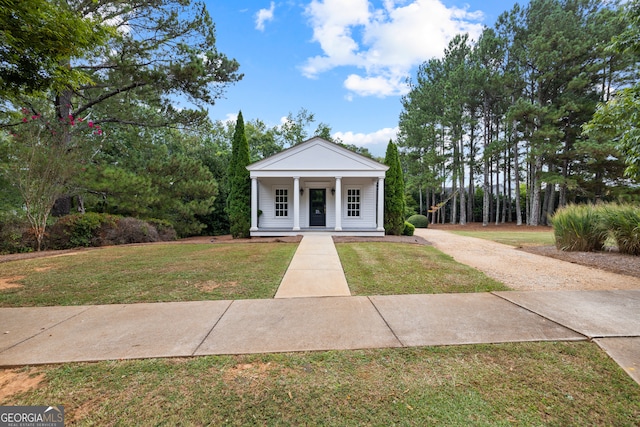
column 345, row 61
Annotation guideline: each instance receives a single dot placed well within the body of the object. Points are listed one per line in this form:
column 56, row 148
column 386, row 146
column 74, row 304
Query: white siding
column 266, row 203
column 368, row 199
column 304, row 207
column 331, row 208
column 368, row 196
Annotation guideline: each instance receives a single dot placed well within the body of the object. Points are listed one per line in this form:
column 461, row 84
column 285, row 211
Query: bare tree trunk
column 62, row 206
column 529, row 188
column 485, row 173
column 516, row 175
column 551, row 205
column 535, row 198
column 549, row 196
column 471, row 194
column 454, row 209
column 463, row 200
column 454, row 185
column 81, row 207
column 472, row 162
column 507, row 178
column 505, row 197
column 497, row 190
column 565, row 174
column 562, row 202
column 441, row 219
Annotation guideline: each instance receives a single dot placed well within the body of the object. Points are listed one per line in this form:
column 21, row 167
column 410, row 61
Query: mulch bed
column 611, row 261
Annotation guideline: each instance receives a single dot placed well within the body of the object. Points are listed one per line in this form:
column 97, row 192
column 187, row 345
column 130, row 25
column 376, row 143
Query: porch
column 317, row 187
column 316, row 231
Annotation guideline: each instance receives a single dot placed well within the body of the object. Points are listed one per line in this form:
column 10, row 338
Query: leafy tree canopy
column 37, row 38
column 618, row 118
column 156, row 52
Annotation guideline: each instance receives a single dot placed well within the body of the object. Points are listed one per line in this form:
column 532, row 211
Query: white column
column 338, row 203
column 296, row 203
column 254, row 204
column 380, row 204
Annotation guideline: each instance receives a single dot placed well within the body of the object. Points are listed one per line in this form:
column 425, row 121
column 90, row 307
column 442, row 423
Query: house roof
column 317, row 157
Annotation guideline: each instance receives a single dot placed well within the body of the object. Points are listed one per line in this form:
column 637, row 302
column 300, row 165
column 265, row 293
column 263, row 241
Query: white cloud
column 264, row 15
column 384, row 42
column 230, row 118
column 380, row 85
column 332, row 22
column 284, row 120
column 379, row 138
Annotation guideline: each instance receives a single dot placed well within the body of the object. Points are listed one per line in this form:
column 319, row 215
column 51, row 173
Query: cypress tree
column 393, row 192
column 239, row 198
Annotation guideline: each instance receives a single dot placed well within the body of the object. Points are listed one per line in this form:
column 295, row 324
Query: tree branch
column 108, row 95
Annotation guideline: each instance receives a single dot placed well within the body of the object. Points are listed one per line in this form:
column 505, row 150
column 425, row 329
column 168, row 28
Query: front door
column 317, row 207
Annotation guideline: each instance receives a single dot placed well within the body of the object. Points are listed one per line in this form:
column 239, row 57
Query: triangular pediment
column 317, row 154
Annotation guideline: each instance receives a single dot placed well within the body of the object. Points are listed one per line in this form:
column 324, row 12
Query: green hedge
column 79, row 230
column 98, row 229
column 15, row 234
column 419, row 221
column 409, row 229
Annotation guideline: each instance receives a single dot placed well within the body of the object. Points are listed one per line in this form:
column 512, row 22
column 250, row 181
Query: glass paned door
column 317, row 207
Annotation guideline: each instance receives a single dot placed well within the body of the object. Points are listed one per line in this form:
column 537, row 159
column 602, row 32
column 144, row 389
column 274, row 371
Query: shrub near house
column 419, row 221
column 96, row 229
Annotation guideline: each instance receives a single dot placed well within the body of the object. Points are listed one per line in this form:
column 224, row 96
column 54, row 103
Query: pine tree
column 239, row 199
column 393, row 193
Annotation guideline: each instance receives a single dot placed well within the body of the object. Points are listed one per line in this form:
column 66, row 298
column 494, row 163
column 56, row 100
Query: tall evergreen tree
column 512, row 107
column 393, row 193
column 239, row 199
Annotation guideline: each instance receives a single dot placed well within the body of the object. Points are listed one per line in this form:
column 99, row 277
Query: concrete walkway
column 315, row 270
column 89, row 333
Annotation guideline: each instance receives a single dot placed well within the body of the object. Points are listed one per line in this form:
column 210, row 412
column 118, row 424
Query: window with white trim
column 282, row 202
column 353, row 202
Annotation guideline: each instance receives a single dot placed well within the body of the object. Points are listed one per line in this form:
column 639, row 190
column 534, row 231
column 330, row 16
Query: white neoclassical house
column 316, row 186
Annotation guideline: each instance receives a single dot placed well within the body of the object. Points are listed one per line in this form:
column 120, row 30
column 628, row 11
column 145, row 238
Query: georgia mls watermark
column 31, row 416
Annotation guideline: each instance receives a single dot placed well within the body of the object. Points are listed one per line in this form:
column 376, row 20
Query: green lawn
column 191, row 272
column 377, row 268
column 150, row 273
column 514, row 238
column 568, row 383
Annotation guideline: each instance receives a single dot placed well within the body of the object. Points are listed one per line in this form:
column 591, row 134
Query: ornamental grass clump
column 579, row 228
column 623, row 221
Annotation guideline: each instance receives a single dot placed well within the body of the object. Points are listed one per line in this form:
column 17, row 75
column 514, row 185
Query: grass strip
column 565, row 383
column 513, row 238
column 376, row 268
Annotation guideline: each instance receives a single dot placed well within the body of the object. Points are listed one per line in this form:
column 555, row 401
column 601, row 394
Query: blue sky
column 345, row 61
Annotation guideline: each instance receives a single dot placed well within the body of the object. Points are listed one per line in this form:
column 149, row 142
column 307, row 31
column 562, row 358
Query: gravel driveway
column 521, row 270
